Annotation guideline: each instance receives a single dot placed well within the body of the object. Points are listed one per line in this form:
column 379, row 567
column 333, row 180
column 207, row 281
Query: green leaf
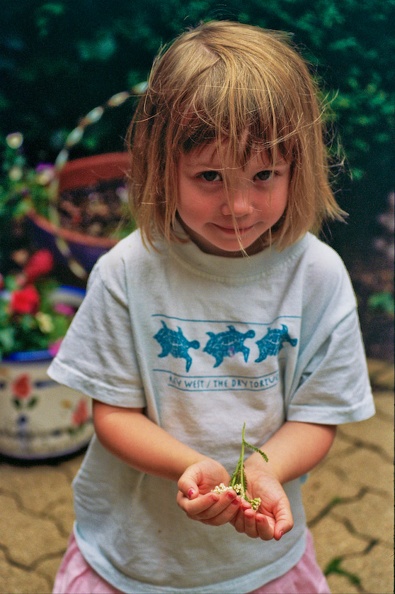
column 32, row 402
column 255, row 449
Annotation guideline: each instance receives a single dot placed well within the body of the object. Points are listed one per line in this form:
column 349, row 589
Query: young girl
column 222, row 309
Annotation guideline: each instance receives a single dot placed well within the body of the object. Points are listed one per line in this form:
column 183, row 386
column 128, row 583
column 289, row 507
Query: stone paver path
column 349, row 503
column 349, row 499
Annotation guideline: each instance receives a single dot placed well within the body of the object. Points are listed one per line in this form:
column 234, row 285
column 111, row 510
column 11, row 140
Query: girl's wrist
column 255, row 465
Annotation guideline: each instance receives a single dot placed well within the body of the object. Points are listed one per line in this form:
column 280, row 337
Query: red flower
column 39, row 264
column 25, row 301
column 21, row 386
column 81, row 413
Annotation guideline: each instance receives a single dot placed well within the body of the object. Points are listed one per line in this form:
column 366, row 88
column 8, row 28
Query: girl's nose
column 238, row 204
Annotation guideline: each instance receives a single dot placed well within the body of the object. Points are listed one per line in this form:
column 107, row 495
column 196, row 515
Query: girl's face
column 258, row 197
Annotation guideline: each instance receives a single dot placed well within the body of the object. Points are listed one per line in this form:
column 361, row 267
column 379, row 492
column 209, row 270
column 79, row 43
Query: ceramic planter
column 39, row 418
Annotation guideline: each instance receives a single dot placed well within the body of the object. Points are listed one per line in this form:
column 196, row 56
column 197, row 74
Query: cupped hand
column 196, row 496
column 274, row 516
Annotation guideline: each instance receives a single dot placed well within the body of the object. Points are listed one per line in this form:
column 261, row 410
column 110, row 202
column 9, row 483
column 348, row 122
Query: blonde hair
column 225, row 81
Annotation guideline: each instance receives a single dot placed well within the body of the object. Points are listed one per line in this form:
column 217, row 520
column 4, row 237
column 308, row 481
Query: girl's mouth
column 232, row 230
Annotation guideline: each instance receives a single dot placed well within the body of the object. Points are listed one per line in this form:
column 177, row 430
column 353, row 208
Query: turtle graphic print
column 273, row 342
column 227, row 344
column 177, row 342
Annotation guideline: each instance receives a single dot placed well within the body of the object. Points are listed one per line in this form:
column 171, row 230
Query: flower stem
column 238, row 480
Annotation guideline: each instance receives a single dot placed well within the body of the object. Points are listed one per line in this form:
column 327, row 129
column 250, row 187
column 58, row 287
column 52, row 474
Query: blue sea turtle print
column 227, row 344
column 175, row 344
column 273, row 342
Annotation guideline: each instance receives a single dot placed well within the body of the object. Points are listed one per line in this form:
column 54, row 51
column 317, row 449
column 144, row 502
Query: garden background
column 61, row 59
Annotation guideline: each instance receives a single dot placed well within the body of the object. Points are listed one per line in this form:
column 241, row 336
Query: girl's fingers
column 200, row 506
column 265, row 527
column 222, row 515
column 250, row 527
column 215, row 506
column 253, row 524
column 210, row 508
column 193, row 503
column 238, row 521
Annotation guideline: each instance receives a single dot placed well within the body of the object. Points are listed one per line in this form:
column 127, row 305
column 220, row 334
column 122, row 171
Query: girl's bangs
column 243, row 132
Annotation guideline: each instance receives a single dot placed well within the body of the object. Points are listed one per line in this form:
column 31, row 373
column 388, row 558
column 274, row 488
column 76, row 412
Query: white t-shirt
column 205, row 344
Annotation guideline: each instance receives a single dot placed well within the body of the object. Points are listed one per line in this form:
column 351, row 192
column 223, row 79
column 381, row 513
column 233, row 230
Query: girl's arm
column 295, row 449
column 132, row 437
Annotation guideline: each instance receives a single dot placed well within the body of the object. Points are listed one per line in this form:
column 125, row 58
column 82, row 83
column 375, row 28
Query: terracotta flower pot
column 76, row 250
column 40, row 419
column 88, row 199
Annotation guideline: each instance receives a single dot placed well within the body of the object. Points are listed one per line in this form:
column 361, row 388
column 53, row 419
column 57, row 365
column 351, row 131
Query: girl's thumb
column 188, row 486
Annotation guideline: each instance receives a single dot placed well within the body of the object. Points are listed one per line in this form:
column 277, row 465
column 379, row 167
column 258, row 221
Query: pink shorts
column 75, row 576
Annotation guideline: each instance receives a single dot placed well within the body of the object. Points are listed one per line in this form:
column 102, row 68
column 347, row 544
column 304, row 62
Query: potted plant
column 38, row 418
column 77, row 209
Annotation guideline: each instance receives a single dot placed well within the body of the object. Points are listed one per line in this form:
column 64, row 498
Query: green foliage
column 21, row 187
column 383, row 302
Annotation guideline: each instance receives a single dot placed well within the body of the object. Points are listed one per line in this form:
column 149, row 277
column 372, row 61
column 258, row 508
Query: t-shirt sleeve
column 334, row 387
column 331, row 381
column 97, row 355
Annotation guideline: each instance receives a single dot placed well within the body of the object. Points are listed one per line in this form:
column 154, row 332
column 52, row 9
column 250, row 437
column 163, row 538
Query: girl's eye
column 210, row 176
column 265, row 175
